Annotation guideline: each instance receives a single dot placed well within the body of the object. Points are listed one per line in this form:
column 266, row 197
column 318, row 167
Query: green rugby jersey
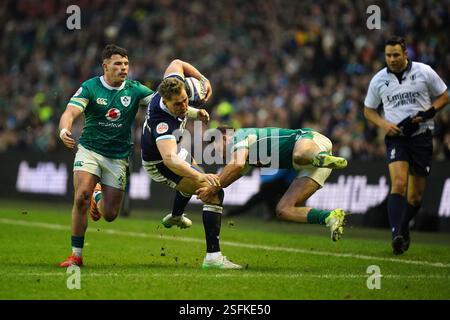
column 269, row 147
column 109, row 115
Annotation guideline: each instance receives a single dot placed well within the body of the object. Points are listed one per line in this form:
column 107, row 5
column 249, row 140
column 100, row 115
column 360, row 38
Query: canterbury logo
column 78, row 163
column 102, row 101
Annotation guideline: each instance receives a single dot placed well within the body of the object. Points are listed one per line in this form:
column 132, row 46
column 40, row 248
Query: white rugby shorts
column 112, row 172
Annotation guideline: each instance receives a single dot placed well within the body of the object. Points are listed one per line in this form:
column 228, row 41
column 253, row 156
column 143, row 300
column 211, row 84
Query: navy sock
column 179, row 204
column 77, row 242
column 410, row 212
column 211, row 222
column 396, row 209
column 212, row 219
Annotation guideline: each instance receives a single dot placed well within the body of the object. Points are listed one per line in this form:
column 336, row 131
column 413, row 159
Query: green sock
column 316, row 216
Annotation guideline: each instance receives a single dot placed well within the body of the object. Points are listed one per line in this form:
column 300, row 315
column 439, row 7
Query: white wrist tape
column 62, row 132
column 193, row 112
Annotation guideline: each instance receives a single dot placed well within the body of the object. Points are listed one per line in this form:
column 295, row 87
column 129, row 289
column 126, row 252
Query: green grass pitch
column 136, row 258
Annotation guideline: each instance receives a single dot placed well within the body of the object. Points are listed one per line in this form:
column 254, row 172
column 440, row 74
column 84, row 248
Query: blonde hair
column 170, row 87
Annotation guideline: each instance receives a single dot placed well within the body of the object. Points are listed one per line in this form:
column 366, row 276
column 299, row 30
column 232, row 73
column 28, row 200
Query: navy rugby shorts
column 416, row 150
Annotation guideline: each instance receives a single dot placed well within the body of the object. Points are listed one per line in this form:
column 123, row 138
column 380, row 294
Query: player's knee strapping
column 217, row 208
column 212, row 208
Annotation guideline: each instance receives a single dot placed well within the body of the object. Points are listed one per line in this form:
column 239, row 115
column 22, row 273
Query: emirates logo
column 113, row 114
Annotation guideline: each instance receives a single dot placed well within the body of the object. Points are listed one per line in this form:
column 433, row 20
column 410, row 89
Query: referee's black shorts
column 416, row 150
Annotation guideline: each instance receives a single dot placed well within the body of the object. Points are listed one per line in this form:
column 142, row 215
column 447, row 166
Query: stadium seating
column 276, row 63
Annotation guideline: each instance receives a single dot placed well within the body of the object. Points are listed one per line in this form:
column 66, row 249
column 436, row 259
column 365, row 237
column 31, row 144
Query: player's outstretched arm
column 168, row 151
column 231, row 172
column 65, row 125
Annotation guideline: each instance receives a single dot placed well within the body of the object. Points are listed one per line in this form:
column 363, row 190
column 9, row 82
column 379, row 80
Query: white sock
column 78, row 252
column 213, row 255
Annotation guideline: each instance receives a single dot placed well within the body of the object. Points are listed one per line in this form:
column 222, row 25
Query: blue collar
column 165, row 109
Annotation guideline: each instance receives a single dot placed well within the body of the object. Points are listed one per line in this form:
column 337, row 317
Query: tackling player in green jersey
column 305, row 150
column 110, row 103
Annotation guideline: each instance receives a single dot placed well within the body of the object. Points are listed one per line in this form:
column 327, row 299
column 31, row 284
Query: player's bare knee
column 399, row 186
column 301, row 157
column 82, row 199
column 281, row 210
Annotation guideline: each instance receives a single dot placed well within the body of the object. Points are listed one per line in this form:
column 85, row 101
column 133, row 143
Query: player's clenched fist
column 66, row 137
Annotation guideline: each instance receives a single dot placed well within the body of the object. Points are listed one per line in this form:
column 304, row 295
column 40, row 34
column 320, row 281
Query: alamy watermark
column 74, row 280
column 374, row 279
column 74, row 20
column 212, row 146
column 374, row 20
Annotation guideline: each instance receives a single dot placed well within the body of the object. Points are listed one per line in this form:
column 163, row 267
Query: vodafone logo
column 113, row 114
column 162, row 128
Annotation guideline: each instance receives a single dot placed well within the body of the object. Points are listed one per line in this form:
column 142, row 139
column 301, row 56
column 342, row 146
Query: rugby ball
column 195, row 90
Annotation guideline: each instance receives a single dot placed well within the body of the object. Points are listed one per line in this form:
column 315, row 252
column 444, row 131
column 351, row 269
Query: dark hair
column 112, row 49
column 394, row 40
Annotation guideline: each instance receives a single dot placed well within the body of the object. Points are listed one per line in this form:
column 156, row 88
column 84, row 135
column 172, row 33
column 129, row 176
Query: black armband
column 428, row 114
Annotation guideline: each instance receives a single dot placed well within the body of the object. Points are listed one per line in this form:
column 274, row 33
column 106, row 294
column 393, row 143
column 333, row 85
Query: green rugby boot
column 326, row 160
column 336, row 221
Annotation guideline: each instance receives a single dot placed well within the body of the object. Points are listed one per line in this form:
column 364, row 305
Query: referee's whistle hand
column 417, row 120
column 391, row 129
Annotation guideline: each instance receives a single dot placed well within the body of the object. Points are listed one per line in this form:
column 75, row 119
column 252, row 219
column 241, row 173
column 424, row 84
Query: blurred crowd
column 278, row 63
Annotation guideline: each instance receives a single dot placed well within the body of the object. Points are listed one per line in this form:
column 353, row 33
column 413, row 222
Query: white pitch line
column 229, row 243
column 232, row 274
column 54, row 274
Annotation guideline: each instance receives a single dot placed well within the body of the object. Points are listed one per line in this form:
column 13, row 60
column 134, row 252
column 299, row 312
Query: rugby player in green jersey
column 305, row 150
column 110, row 103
